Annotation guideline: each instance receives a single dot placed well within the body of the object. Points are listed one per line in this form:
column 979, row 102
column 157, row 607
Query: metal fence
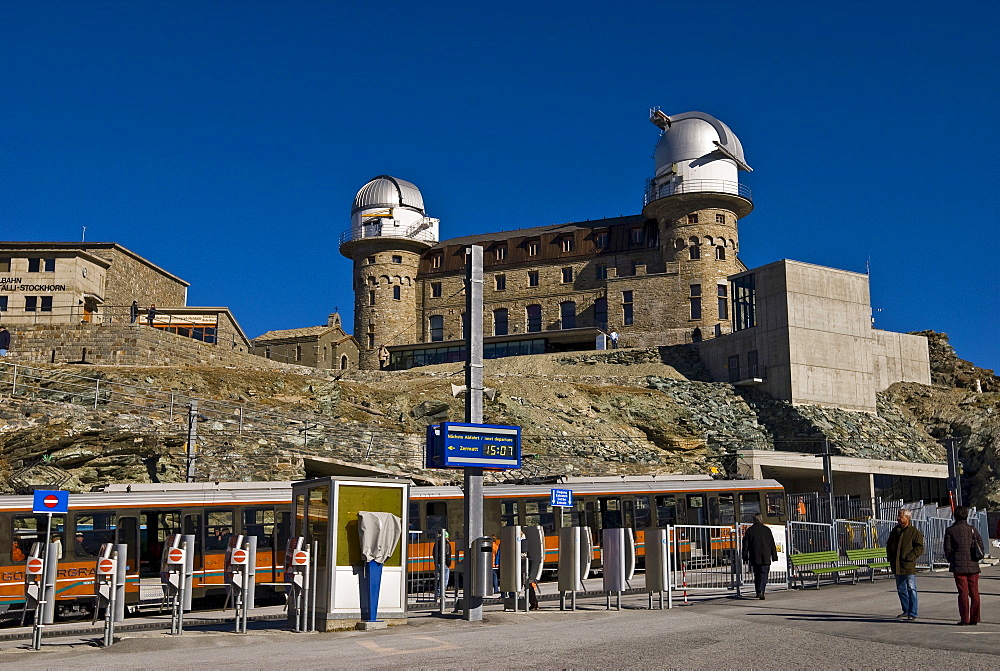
column 778, row 574
column 705, row 557
column 423, row 575
column 810, row 537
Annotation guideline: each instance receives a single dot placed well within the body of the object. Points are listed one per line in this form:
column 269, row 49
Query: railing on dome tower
column 422, row 229
column 655, row 192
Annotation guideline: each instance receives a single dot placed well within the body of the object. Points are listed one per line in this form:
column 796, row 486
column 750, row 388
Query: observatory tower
column 696, row 197
column 389, row 231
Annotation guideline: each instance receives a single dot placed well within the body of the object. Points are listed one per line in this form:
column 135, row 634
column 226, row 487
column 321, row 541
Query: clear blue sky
column 225, row 141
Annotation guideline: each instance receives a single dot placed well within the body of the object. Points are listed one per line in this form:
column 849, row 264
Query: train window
column 259, row 522
column 154, row 527
column 611, row 513
column 437, row 516
column 318, row 522
column 538, row 513
column 775, row 504
column 666, row 511
column 30, row 529
column 91, row 532
column 643, row 516
column 192, row 527
column 508, row 513
column 414, row 515
column 300, row 512
column 628, row 514
column 722, row 509
column 218, row 529
column 575, row 516
column 284, row 529
column 749, row 506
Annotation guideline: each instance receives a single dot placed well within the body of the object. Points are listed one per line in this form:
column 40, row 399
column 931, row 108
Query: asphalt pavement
column 837, row 626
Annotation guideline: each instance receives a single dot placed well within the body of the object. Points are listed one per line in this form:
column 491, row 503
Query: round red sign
column 300, row 558
column 105, row 566
column 175, row 555
column 239, row 556
column 34, row 565
column 51, row 501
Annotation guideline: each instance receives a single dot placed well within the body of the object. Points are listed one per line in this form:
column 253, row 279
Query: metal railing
column 422, row 229
column 655, row 192
column 705, row 557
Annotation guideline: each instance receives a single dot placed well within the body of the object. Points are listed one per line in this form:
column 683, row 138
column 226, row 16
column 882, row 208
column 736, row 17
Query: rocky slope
column 619, row 412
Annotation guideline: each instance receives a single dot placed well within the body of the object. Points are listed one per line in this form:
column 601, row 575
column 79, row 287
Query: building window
column 371, row 341
column 693, row 218
column 298, row 352
column 39, row 265
column 38, row 303
column 566, row 244
column 752, row 367
column 601, row 240
column 396, row 258
column 628, row 317
column 734, row 368
column 437, row 328
column 601, row 271
column 500, row 253
column 723, row 302
column 744, row 303
column 3, row 303
column 533, row 318
column 567, row 275
column 720, row 218
column 635, row 236
column 435, row 290
column 371, row 259
column 371, row 297
column 5, row 264
column 397, row 292
column 601, row 313
column 652, row 238
column 501, row 282
column 720, row 253
column 567, row 315
column 500, row 321
column 436, row 260
column 533, row 248
column 695, row 301
column 694, row 249
column 532, row 278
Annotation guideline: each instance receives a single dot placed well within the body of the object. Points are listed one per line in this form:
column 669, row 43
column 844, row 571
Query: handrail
column 655, row 192
column 377, row 230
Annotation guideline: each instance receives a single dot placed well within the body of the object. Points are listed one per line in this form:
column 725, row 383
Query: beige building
column 326, row 346
column 52, row 283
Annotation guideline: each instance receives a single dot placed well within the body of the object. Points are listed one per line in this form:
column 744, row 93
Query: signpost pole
column 473, row 480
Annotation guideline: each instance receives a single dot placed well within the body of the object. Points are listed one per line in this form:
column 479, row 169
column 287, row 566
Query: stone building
column 326, row 346
column 54, row 283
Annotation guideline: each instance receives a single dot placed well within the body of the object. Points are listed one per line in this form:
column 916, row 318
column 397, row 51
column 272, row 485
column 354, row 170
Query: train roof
column 612, row 486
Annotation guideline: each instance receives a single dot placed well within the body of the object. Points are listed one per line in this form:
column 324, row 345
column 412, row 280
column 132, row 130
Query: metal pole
column 828, row 478
column 670, row 570
column 442, row 571
column 13, row 384
column 109, row 610
column 97, row 391
column 312, row 589
column 192, row 438
column 473, row 480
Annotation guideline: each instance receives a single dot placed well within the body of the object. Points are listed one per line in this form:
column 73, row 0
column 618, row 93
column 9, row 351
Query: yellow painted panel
column 352, row 499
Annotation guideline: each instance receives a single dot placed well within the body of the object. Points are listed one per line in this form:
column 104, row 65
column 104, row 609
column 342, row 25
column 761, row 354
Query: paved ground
column 847, row 626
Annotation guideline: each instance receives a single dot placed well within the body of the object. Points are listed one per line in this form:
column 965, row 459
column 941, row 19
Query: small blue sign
column 561, row 497
column 50, row 501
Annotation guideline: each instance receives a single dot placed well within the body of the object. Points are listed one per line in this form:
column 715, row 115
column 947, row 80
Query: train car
column 143, row 515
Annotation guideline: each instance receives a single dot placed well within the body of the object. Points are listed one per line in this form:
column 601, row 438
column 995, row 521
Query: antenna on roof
column 83, row 236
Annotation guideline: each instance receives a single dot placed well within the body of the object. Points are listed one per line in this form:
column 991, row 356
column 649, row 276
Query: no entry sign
column 175, row 556
column 106, row 567
column 34, row 566
column 239, row 556
column 300, row 558
column 50, row 501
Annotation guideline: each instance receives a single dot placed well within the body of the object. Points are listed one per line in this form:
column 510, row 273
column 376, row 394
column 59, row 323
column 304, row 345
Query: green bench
column 819, row 564
column 872, row 559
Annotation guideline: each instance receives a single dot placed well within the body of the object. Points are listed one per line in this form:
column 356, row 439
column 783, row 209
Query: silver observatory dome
column 387, row 191
column 694, row 135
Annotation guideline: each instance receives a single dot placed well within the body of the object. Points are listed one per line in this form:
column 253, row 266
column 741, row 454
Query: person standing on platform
column 760, row 552
column 4, row 341
column 133, row 312
column 151, row 314
column 905, row 545
column 959, row 539
column 614, row 339
column 496, row 564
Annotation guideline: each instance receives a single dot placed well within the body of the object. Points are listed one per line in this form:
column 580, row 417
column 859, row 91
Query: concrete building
column 327, row 347
column 670, row 275
column 70, row 283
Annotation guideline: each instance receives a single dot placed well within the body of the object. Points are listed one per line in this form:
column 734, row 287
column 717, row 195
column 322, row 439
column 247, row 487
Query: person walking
column 905, row 545
column 959, row 539
column 614, row 339
column 133, row 312
column 4, row 341
column 151, row 314
column 441, row 581
column 760, row 552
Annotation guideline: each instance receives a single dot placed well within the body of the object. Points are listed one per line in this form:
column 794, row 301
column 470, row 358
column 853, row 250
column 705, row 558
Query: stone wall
column 130, row 279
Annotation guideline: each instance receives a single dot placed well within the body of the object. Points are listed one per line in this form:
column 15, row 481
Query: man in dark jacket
column 760, row 552
column 905, row 545
column 4, row 340
column 958, row 541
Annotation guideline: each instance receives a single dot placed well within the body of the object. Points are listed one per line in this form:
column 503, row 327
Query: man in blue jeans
column 905, row 545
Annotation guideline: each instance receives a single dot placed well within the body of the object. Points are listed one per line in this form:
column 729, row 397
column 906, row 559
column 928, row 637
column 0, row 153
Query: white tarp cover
column 380, row 532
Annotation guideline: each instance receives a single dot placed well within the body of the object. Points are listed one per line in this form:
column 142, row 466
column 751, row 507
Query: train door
column 749, row 506
column 192, row 526
column 696, row 509
column 260, row 522
column 154, row 527
column 721, row 509
column 219, row 525
column 128, row 533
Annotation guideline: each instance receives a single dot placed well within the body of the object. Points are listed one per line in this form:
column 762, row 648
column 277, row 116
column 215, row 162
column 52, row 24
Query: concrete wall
column 900, row 357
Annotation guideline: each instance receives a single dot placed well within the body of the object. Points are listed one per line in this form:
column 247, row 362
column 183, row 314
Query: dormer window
column 601, row 240
column 500, row 253
column 566, row 244
column 436, row 260
column 532, row 248
column 635, row 236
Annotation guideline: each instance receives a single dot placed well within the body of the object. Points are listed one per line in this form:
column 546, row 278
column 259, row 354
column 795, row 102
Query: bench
column 818, row 564
column 873, row 559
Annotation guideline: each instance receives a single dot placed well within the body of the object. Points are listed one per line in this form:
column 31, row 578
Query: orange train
column 142, row 516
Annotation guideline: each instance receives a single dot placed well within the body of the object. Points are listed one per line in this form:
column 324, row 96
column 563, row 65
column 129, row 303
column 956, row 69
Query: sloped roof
column 305, row 332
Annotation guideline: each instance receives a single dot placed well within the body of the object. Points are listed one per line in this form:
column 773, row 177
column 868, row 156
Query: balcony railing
column 422, row 229
column 655, row 192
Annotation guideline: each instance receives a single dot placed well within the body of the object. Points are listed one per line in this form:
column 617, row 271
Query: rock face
column 638, row 411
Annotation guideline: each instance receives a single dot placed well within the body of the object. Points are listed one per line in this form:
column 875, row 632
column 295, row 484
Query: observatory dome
column 693, row 135
column 386, row 191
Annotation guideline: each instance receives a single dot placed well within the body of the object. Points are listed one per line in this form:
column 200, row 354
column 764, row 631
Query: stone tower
column 696, row 198
column 389, row 231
